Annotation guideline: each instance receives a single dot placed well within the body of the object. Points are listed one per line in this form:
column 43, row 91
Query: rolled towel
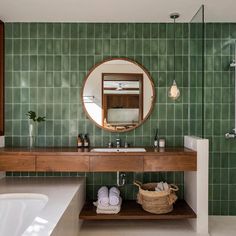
column 162, row 187
column 103, row 198
column 166, row 186
column 114, row 196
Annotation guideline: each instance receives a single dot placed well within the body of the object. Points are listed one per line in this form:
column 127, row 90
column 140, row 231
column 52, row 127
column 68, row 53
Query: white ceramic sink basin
column 118, row 150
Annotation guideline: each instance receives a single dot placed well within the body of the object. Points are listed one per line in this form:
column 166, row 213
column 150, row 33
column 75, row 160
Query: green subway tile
column 57, row 46
column 33, row 46
column 16, row 63
column 57, row 63
column 82, row 30
column 25, row 63
column 16, row 30
column 33, row 63
column 138, row 30
column 162, row 30
column 49, row 46
column 91, row 46
column 8, row 30
column 25, row 30
column 154, row 30
column 146, row 30
column 9, row 46
column 8, row 79
column 41, row 30
column 41, row 63
column 106, row 30
column 33, row 28
column 65, row 28
column 74, row 30
column 16, row 46
column 73, row 46
column 106, row 47
column 122, row 47
column 57, row 32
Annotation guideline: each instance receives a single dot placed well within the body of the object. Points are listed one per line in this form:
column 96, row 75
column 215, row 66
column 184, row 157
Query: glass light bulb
column 173, row 91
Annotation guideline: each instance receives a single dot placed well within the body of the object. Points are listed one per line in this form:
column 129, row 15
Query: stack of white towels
column 109, row 201
column 162, row 186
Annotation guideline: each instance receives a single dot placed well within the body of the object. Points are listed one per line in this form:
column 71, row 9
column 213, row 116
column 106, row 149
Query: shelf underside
column 130, row 210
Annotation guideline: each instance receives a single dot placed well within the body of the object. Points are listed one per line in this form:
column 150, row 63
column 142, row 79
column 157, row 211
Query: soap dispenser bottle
column 86, row 141
column 156, row 139
column 80, row 141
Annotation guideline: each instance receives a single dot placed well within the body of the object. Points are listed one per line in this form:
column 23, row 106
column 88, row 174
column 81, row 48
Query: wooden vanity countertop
column 87, row 151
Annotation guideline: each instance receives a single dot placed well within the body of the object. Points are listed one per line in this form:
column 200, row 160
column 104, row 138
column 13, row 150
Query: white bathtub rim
column 26, row 196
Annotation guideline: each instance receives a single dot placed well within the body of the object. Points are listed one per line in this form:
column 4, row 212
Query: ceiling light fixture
column 174, row 91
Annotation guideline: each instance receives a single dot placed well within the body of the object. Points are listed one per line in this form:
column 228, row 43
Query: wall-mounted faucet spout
column 120, row 179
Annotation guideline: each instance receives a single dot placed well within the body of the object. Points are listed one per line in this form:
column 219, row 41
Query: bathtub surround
column 59, row 217
column 53, row 59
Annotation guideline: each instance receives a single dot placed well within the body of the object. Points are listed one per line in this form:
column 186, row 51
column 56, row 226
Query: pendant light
column 174, row 91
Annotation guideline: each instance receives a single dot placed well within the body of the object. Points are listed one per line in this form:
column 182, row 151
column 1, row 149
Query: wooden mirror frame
column 152, row 85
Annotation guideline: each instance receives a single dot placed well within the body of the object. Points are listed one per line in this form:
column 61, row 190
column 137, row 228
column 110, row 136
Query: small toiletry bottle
column 162, row 142
column 86, row 141
column 156, row 139
column 80, row 141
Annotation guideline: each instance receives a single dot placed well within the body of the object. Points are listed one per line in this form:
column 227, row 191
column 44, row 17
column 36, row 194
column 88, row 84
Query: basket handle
column 137, row 183
column 174, row 187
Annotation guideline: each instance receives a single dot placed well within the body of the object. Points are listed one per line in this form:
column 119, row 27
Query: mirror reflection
column 118, row 95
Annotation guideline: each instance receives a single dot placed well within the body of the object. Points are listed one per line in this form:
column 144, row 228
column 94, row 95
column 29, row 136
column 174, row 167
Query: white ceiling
column 113, row 10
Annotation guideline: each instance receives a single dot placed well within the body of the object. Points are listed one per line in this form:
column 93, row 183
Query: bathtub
column 41, row 206
column 18, row 210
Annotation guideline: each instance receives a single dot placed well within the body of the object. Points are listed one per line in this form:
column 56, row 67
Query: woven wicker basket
column 156, row 202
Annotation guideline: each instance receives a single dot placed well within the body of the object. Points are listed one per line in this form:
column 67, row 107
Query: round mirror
column 118, row 94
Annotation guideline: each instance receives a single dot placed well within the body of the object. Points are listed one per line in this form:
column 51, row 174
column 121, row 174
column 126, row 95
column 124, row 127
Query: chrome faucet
column 118, row 143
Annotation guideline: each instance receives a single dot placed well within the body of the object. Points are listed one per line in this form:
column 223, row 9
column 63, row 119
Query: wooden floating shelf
column 130, row 210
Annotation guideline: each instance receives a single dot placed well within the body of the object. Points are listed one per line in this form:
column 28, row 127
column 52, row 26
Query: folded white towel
column 103, row 198
column 162, row 187
column 109, row 209
column 108, row 212
column 114, row 196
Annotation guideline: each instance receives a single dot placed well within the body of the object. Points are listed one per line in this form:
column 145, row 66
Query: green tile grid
column 47, row 62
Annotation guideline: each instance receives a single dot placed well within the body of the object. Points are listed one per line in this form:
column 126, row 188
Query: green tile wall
column 95, row 180
column 196, row 78
column 45, row 67
column 219, row 116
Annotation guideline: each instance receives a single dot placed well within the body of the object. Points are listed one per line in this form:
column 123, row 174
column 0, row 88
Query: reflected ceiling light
column 174, row 91
column 119, row 87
